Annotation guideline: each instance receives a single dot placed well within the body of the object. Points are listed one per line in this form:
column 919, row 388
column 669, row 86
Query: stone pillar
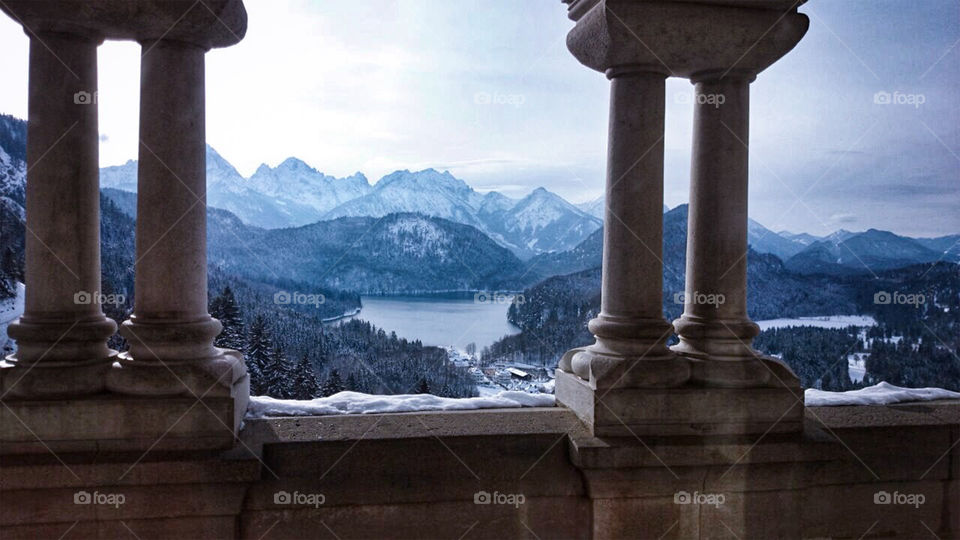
column 631, row 333
column 715, row 331
column 62, row 336
column 170, row 332
column 628, row 383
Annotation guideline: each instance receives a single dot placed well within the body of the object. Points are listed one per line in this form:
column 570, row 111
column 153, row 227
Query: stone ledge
column 116, row 423
column 408, row 425
column 924, row 413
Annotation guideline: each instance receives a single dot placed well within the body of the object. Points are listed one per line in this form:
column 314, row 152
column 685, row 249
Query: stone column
column 631, row 332
column 62, row 335
column 715, row 331
column 628, row 383
column 170, row 332
column 630, row 351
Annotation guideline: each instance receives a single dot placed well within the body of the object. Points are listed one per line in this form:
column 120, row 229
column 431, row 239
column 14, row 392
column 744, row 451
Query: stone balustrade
column 62, row 335
column 712, row 382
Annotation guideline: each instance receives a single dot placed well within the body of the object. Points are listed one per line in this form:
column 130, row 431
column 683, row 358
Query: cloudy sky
column 486, row 89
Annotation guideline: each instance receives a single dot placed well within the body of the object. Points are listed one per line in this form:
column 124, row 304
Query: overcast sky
column 486, row 89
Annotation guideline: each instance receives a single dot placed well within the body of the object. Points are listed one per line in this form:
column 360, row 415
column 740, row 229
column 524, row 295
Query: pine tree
column 10, row 265
column 225, row 308
column 258, row 350
column 332, row 385
column 423, row 387
column 278, row 375
column 305, row 384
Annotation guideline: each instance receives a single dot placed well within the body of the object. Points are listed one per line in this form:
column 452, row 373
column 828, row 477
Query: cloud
column 844, row 219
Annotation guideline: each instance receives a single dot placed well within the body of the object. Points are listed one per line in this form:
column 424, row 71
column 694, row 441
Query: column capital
column 682, row 38
column 208, row 24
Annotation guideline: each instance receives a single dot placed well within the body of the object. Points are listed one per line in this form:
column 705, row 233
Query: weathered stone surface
column 210, row 23
column 116, row 423
column 682, row 39
column 690, row 410
column 62, row 336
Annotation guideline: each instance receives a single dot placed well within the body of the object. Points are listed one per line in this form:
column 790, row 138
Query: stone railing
column 62, row 351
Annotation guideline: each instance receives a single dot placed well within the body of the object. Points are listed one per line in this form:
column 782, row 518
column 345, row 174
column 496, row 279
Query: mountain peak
column 292, row 163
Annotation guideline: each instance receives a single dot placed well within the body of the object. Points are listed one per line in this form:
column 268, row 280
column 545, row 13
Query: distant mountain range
column 294, row 194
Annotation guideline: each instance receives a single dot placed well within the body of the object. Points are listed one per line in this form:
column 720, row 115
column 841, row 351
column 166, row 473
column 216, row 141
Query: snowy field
column 831, row 321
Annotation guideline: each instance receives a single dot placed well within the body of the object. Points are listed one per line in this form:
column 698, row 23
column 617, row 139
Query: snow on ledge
column 878, row 394
column 358, row 403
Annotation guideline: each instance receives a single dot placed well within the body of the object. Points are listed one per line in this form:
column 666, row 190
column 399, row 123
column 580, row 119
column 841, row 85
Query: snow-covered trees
column 304, row 384
column 224, row 307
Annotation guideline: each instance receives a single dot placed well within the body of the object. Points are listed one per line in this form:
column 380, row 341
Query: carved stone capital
column 683, row 39
column 208, row 24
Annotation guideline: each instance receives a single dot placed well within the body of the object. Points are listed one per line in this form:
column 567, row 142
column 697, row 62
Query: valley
column 331, row 283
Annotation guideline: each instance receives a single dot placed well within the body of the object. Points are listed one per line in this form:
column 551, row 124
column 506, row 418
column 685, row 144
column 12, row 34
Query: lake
column 440, row 320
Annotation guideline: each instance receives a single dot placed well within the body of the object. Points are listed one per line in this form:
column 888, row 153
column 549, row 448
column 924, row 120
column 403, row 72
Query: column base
column 720, row 355
column 57, row 379
column 604, row 367
column 219, row 376
column 688, row 410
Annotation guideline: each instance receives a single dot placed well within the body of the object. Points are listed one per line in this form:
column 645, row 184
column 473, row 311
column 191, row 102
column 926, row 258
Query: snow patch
column 878, row 394
column 358, row 403
column 831, row 321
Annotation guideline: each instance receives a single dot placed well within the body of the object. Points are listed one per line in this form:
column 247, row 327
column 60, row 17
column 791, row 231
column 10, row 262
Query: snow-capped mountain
column 540, row 222
column 763, row 240
column 298, row 184
column 428, row 192
column 290, row 195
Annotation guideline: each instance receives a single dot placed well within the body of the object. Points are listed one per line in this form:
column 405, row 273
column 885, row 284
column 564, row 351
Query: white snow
column 878, row 394
column 831, row 321
column 10, row 309
column 357, row 403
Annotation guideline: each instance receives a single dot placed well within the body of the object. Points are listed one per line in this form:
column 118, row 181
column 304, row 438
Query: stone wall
column 506, row 474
